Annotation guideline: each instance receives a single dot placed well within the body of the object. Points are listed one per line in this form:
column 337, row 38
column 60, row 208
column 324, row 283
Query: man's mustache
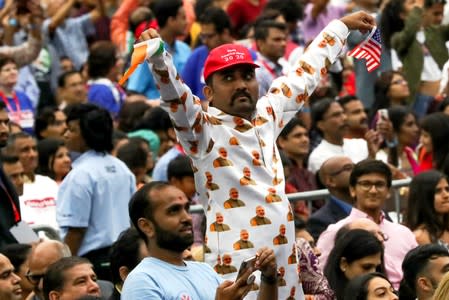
column 240, row 94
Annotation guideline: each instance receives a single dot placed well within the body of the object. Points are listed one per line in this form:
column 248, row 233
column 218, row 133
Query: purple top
column 312, row 27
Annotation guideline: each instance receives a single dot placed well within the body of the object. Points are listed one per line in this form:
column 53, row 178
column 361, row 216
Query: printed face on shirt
column 260, row 211
column 380, row 289
column 370, row 192
column 79, row 281
column 356, row 115
column 441, row 202
column 234, row 90
column 273, row 47
column 62, row 163
column 4, row 127
column 15, row 173
column 26, row 150
column 9, row 74
column 9, row 281
column 234, row 193
column 171, row 219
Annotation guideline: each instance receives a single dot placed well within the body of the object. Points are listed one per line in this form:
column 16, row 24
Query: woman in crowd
column 19, row 254
column 434, row 149
column 428, row 217
column 391, row 89
column 355, row 253
column 54, row 159
column 405, row 133
column 372, row 286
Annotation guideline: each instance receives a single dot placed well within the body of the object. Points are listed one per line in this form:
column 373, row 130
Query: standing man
column 93, row 198
column 232, row 90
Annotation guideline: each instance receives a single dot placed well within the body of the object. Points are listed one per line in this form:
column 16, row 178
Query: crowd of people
column 234, row 105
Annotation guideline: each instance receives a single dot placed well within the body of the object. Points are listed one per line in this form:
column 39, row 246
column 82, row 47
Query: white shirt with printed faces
column 238, row 170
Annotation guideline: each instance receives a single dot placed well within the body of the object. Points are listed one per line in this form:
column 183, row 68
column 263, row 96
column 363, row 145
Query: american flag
column 370, row 50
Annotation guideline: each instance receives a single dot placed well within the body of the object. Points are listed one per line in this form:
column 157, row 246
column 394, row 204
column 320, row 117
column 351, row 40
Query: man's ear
column 424, row 284
column 123, row 271
column 208, row 93
column 54, row 295
column 146, row 226
column 352, row 191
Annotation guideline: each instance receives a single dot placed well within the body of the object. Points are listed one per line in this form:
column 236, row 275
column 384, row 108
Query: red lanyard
column 13, row 205
column 270, row 69
column 8, row 105
column 180, row 149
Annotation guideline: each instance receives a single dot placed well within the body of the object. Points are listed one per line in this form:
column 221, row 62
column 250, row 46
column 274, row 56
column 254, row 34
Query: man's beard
column 171, row 241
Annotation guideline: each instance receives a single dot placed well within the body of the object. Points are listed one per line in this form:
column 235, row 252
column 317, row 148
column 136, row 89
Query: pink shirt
column 401, row 240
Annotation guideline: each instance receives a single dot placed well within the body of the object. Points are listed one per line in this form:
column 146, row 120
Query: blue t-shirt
column 142, row 82
column 23, row 116
column 106, row 94
column 95, row 195
column 160, row 169
column 193, row 71
column 156, row 279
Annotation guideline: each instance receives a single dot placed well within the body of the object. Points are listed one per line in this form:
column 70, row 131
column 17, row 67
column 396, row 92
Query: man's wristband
column 269, row 279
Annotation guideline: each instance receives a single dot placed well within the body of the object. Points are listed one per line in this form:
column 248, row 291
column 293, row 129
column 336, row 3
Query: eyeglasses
column 367, row 185
column 347, row 168
column 34, row 278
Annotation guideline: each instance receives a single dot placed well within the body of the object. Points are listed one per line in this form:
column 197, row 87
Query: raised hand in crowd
column 359, row 21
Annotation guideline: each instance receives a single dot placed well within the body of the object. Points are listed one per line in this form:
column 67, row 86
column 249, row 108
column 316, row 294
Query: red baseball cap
column 226, row 56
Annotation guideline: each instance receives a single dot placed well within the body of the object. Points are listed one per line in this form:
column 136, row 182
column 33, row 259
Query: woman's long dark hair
column 390, row 22
column 357, row 288
column 47, row 149
column 421, row 206
column 397, row 117
column 437, row 125
column 353, row 245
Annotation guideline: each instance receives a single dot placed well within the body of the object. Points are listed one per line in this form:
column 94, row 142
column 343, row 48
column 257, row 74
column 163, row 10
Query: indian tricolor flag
column 142, row 51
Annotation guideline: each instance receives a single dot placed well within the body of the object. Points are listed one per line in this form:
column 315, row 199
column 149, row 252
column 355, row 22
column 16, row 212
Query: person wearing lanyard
column 19, row 107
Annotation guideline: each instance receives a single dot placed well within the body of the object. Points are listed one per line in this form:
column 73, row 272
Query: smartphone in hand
column 248, row 263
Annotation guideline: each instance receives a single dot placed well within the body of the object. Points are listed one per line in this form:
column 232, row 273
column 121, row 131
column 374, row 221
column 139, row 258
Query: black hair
column 102, row 58
column 140, row 205
column 54, row 278
column 346, row 99
column 63, row 77
column 390, row 20
column 117, row 136
column 2, row 105
column 156, row 119
column 16, row 253
column 95, row 125
column 292, row 10
column 421, row 208
column 414, row 264
column 295, row 121
column 125, row 252
column 45, row 118
column 133, row 155
column 179, row 168
column 441, row 107
column 437, row 125
column 354, row 245
column 430, row 3
column 357, row 288
column 318, row 110
column 397, row 115
column 261, row 29
column 9, row 159
column 164, row 9
column 370, row 166
column 131, row 114
column 218, row 17
column 47, row 149
column 4, row 60
column 381, row 88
